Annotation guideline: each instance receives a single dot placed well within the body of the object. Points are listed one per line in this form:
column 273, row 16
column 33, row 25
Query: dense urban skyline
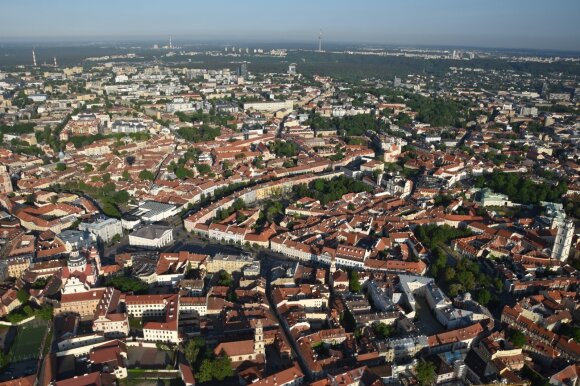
column 316, row 193
column 516, row 24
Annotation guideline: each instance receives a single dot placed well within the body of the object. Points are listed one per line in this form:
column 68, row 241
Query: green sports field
column 28, row 340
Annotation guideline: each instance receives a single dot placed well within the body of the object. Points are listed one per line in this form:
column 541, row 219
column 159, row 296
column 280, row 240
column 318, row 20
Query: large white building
column 179, row 104
column 153, row 211
column 156, row 305
column 269, row 106
column 127, row 127
column 103, row 228
column 151, row 236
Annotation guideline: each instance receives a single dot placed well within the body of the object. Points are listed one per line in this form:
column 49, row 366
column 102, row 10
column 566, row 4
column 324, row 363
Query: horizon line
column 225, row 41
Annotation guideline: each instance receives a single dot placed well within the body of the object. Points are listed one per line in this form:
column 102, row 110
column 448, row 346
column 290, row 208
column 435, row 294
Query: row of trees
column 17, row 129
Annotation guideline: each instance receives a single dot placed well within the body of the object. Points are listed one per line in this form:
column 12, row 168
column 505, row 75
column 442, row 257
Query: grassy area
column 27, row 343
column 141, row 376
column 151, row 382
column 47, row 343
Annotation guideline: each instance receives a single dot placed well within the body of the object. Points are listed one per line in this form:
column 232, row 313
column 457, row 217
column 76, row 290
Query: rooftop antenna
column 33, row 58
column 320, row 41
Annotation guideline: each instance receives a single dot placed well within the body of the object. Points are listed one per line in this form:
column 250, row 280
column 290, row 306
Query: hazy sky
column 492, row 23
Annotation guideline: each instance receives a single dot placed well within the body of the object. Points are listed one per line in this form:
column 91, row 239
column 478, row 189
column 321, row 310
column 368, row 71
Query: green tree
column 88, row 168
column 120, row 197
column 127, row 284
column 126, row 176
column 22, row 296
column 111, row 210
column 354, row 282
column 283, row 148
column 146, row 175
column 425, row 372
column 449, row 274
column 483, row 297
column 193, row 348
column 383, row 330
column 205, row 373
column 517, row 338
column 203, row 168
column 222, row 368
column 60, row 167
column 219, row 369
column 225, row 279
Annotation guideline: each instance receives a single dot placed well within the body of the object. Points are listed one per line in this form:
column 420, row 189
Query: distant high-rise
column 292, row 69
column 55, row 64
column 563, row 242
column 320, row 41
column 170, row 44
column 545, row 89
column 33, row 58
column 243, row 69
column 396, row 82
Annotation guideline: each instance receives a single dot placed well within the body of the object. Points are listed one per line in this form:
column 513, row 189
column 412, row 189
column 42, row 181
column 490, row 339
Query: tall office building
column 243, row 69
column 563, row 242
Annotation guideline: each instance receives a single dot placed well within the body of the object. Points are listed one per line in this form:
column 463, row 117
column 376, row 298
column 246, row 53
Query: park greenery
column 146, row 175
column 107, row 195
column 271, row 212
column 330, row 190
column 455, row 274
column 383, row 330
column 17, row 129
column 27, row 310
column 433, row 236
column 517, row 338
column 80, row 141
column 425, row 372
column 199, row 117
column 521, row 189
column 206, row 365
column 199, row 134
column 283, row 148
column 225, row 279
column 127, row 284
column 354, row 284
column 237, row 205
